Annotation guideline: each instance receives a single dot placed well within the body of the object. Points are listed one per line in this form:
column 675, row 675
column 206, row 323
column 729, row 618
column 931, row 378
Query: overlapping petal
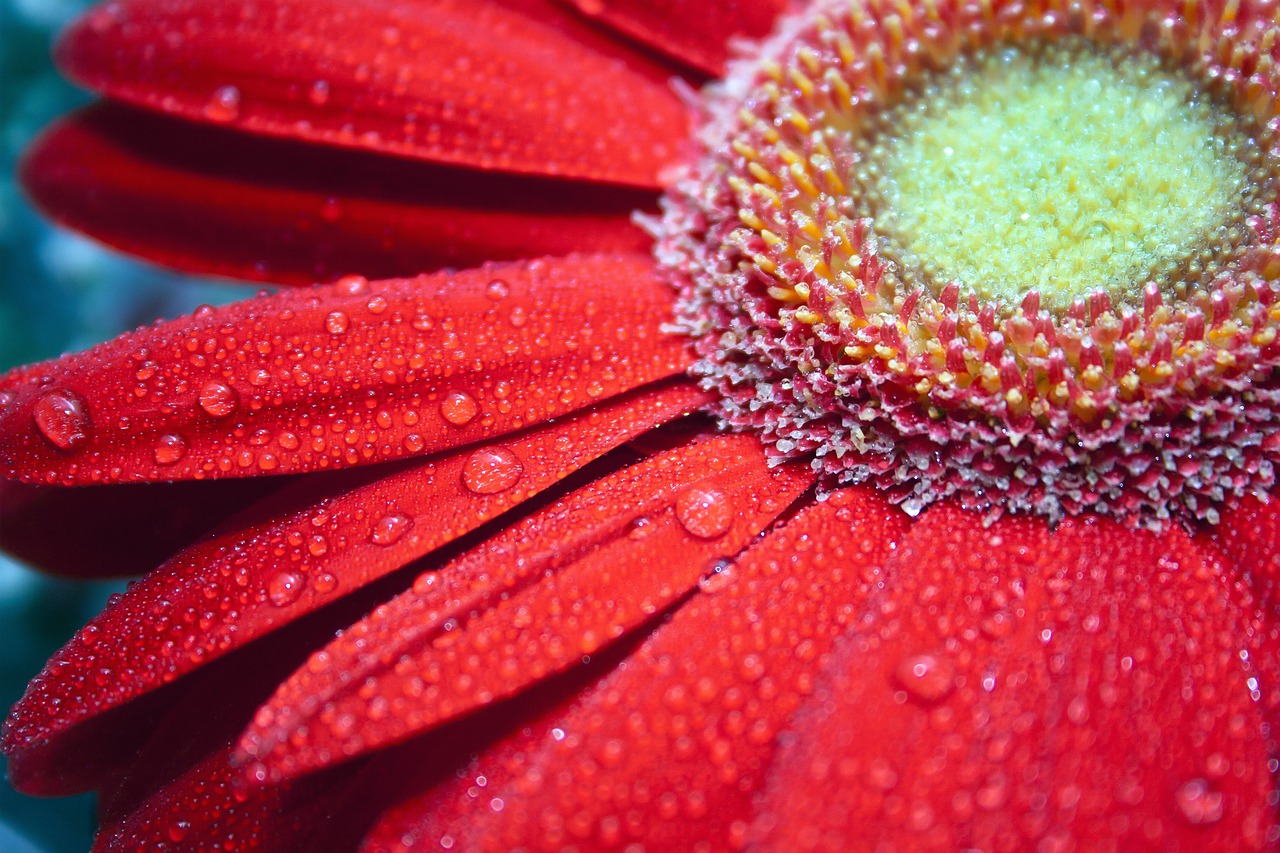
column 471, row 82
column 125, row 530
column 697, row 33
column 305, row 548
column 529, row 603
column 215, row 201
column 1012, row 687
column 342, row 375
column 671, row 750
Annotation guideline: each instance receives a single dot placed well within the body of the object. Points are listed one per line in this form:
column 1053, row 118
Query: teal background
column 58, row 292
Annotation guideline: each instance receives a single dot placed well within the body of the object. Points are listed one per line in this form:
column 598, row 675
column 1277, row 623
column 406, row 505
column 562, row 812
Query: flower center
column 1026, row 256
column 1060, row 169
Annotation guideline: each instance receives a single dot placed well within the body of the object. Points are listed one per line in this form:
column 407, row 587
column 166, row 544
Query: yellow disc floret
column 1062, row 170
column 1025, row 255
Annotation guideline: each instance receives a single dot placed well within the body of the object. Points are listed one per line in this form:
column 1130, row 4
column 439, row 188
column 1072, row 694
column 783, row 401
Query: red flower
column 544, row 604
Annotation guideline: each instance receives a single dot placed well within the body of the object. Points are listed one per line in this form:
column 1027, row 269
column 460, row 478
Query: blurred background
column 58, row 292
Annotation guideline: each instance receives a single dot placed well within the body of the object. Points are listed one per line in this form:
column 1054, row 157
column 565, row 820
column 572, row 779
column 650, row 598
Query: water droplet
column 317, row 545
column 720, row 577
column 169, row 449
column 1199, row 803
column 376, row 304
column 352, row 285
column 325, row 583
column 219, row 399
column 926, row 678
column 389, row 529
column 459, row 408
column 224, row 105
column 336, row 323
column 498, row 290
column 491, row 470
column 319, row 93
column 63, row 417
column 706, row 513
column 285, row 588
column 178, row 830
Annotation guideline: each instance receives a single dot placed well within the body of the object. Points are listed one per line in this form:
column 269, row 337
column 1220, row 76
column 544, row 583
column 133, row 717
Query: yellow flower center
column 1026, row 256
column 1062, row 169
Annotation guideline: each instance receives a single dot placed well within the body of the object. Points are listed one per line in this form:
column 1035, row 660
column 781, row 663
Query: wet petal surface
column 399, row 78
column 529, row 603
column 341, row 375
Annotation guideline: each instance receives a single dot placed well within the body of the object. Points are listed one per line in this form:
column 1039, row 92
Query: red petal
column 455, row 81
column 206, row 808
column 1013, row 689
column 671, row 749
column 342, row 375
column 696, row 33
column 527, row 604
column 180, row 792
column 313, row 543
column 214, row 201
column 1249, row 535
column 124, row 530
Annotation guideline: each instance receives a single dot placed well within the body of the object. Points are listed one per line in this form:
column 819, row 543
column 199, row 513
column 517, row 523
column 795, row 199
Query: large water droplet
column 498, row 290
column 352, row 285
column 285, row 588
column 336, row 323
column 388, row 529
column 63, row 417
column 224, row 105
column 169, row 449
column 178, row 830
column 706, row 513
column 926, row 678
column 219, row 399
column 459, row 408
column 491, row 470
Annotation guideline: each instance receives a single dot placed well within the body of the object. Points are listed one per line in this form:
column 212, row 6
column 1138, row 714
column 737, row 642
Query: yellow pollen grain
column 1062, row 170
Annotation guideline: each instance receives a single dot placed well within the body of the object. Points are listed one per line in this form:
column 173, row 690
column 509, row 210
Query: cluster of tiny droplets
column 826, row 332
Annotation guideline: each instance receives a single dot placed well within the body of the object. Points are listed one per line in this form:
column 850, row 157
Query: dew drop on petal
column 178, row 830
column 491, row 470
column 352, row 285
column 926, row 678
column 336, row 323
column 459, row 408
column 498, row 290
column 1198, row 803
column 318, row 94
column 388, row 529
column 63, row 418
column 317, row 545
column 705, row 513
column 285, row 588
column 219, row 399
column 170, row 448
column 719, row 578
column 223, row 105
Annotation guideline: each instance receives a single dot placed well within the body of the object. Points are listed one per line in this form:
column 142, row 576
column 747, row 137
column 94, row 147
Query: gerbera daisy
column 897, row 479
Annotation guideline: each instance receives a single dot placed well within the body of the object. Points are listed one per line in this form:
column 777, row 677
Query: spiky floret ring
column 1019, row 254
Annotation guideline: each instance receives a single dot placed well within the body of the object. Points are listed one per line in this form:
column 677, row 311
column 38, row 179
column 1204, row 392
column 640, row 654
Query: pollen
column 1060, row 169
column 1021, row 256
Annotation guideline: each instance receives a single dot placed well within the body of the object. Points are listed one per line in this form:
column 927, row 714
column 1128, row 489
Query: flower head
column 587, row 547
